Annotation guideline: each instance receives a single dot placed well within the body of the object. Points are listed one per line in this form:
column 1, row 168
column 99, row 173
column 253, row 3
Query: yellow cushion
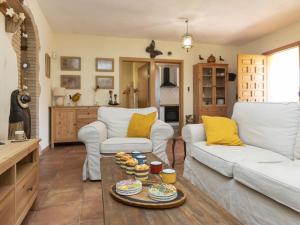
column 140, row 125
column 221, row 131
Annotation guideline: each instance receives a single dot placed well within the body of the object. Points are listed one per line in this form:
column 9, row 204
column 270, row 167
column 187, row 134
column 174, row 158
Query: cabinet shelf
column 23, row 170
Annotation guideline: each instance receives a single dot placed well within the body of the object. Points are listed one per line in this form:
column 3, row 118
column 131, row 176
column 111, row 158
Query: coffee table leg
column 173, row 150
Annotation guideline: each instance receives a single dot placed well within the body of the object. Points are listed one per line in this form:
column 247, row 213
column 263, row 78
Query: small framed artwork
column 104, row 64
column 105, row 82
column 70, row 81
column 68, row 63
column 47, row 65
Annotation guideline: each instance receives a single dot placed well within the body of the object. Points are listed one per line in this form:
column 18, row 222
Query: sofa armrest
column 95, row 132
column 193, row 133
column 161, row 130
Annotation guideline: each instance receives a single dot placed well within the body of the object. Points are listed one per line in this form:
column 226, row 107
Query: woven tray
column 143, row 201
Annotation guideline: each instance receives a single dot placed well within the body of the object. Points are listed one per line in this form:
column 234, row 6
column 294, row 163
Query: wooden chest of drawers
column 19, row 165
column 66, row 122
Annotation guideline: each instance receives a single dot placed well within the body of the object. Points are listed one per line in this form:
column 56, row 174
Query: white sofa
column 260, row 182
column 109, row 135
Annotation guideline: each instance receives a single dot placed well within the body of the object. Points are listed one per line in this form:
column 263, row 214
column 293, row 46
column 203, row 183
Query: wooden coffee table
column 198, row 208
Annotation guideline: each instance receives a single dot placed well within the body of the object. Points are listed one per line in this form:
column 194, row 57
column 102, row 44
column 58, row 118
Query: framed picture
column 70, row 81
column 47, row 65
column 68, row 63
column 105, row 82
column 104, row 64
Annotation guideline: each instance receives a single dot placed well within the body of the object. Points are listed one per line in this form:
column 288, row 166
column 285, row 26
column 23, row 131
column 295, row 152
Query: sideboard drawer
column 25, row 190
column 7, row 209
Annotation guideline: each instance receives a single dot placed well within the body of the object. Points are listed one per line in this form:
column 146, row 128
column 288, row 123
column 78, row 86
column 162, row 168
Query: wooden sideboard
column 66, row 122
column 19, row 166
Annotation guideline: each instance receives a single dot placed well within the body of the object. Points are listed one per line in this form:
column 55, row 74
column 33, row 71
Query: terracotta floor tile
column 59, row 215
column 91, row 210
column 93, row 222
column 57, row 197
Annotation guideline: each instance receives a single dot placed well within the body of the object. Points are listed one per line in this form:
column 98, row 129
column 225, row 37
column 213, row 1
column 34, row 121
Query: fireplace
column 171, row 113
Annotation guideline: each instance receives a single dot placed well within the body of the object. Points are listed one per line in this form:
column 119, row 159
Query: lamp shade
column 59, row 92
column 187, row 42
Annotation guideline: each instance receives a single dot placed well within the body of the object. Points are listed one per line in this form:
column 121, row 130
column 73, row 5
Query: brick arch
column 30, row 76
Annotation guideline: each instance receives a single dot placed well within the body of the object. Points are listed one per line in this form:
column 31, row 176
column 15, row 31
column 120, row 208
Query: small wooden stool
column 175, row 139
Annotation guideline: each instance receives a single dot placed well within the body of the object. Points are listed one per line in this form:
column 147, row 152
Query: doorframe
column 154, row 79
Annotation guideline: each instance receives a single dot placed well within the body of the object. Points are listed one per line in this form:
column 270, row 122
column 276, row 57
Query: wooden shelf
column 4, row 191
column 23, row 170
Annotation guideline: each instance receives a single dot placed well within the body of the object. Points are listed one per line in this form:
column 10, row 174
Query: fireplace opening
column 171, row 113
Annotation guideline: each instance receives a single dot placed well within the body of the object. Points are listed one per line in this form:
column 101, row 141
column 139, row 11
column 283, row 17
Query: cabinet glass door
column 220, row 86
column 207, row 86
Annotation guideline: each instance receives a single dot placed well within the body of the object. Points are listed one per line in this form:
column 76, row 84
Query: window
column 283, row 76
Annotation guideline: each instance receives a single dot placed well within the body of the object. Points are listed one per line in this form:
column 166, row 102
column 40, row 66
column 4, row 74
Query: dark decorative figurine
column 151, row 50
column 19, row 117
column 201, row 58
column 211, row 59
column 221, row 59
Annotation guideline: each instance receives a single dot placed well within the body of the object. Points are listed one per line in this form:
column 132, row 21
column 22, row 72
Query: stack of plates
column 129, row 187
column 162, row 192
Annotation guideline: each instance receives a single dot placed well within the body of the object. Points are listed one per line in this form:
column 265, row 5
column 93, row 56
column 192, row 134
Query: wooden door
column 143, row 86
column 65, row 125
column 252, row 78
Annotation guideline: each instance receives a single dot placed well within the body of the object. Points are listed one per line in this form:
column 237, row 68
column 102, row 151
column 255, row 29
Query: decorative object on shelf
column 104, row 64
column 24, row 38
column 47, row 65
column 151, row 50
column 19, row 117
column 59, row 94
column 201, row 58
column 189, row 119
column 14, row 16
column 110, row 102
column 231, row 77
column 70, row 81
column 211, row 59
column 69, row 63
column 25, row 65
column 170, row 53
column 115, row 101
column 75, row 98
column 187, row 39
column 105, row 82
column 221, row 59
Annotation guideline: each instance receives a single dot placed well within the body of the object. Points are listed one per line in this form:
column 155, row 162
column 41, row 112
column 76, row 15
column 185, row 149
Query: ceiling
column 232, row 22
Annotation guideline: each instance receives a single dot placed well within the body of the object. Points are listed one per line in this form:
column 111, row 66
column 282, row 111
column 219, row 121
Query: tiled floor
column 63, row 198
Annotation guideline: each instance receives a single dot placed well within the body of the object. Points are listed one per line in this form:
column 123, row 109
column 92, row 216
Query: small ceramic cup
column 135, row 154
column 20, row 135
column 155, row 167
column 141, row 159
column 168, row 176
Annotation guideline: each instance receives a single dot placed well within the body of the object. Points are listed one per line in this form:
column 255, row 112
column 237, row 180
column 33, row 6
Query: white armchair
column 108, row 135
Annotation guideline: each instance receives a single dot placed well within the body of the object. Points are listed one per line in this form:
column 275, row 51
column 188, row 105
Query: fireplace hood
column 166, row 78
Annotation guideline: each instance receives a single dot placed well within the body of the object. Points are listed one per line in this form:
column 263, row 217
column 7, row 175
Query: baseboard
column 43, row 151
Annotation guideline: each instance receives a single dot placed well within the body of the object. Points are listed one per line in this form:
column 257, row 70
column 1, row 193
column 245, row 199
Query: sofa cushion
column 117, row 119
column 271, row 126
column 279, row 181
column 114, row 145
column 223, row 158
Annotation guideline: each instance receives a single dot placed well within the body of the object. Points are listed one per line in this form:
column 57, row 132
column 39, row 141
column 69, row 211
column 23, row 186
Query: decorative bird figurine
column 75, row 98
column 221, row 59
column 151, row 50
column 201, row 58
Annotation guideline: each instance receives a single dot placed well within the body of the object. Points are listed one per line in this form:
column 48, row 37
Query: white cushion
column 223, row 158
column 279, row 181
column 117, row 119
column 114, row 145
column 271, row 126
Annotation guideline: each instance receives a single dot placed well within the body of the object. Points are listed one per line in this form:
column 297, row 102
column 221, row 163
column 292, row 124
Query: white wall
column 274, row 40
column 8, row 76
column 90, row 47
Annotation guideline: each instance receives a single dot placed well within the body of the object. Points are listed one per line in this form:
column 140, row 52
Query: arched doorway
column 26, row 44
